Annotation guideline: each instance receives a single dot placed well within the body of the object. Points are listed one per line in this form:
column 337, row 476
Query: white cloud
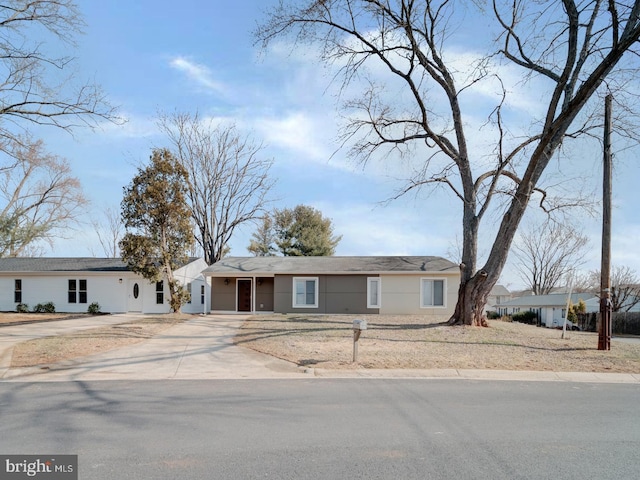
column 296, row 131
column 396, row 229
column 198, row 73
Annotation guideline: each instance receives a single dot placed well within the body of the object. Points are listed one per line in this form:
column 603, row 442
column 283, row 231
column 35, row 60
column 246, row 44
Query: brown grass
column 416, row 342
column 50, row 350
column 15, row 318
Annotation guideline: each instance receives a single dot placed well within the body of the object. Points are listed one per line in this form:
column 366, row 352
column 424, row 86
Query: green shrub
column 94, row 308
column 492, row 315
column 22, row 308
column 528, row 317
column 48, row 307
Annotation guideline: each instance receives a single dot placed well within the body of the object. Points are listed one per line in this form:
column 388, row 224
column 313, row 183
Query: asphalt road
column 328, row 429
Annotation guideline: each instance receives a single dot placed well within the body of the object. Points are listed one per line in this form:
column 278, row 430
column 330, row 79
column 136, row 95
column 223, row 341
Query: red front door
column 244, row 295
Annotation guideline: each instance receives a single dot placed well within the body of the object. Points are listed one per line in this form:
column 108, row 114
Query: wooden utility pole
column 604, row 334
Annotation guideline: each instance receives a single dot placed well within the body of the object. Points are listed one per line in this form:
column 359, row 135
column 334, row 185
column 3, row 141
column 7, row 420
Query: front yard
column 416, row 342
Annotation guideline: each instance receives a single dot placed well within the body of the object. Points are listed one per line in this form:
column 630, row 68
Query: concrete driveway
column 201, row 348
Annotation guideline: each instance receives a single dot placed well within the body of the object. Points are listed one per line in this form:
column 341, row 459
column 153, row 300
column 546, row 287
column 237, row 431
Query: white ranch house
column 551, row 309
column 72, row 284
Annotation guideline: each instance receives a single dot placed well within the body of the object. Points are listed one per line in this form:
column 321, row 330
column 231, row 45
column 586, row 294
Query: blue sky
column 152, row 56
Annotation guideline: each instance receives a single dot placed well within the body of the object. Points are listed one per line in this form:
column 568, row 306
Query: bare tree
column 569, row 49
column 110, row 232
column 38, row 88
column 547, row 253
column 40, row 197
column 228, row 179
column 625, row 287
column 33, row 88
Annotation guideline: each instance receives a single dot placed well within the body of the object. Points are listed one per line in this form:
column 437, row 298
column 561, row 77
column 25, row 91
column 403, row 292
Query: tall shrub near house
column 156, row 218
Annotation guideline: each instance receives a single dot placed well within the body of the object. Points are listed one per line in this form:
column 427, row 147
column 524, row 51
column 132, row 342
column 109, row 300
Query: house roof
column 499, row 290
column 551, row 300
column 234, row 266
column 63, row 264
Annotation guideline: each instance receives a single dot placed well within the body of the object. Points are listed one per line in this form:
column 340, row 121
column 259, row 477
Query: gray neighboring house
column 551, row 309
column 347, row 285
column 73, row 283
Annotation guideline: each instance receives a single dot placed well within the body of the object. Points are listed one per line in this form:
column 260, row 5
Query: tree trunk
column 472, row 297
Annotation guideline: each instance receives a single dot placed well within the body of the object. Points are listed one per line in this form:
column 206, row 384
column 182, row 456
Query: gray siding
column 223, row 297
column 336, row 294
column 264, row 294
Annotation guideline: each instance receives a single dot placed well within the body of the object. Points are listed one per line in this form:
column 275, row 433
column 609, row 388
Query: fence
column 622, row 323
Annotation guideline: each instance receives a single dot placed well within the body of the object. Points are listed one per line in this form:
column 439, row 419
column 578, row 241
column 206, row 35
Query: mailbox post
column 358, row 327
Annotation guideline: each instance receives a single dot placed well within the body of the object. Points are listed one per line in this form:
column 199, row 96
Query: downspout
column 204, row 304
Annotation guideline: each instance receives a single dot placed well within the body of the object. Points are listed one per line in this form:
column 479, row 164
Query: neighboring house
column 498, row 294
column 72, row 284
column 551, row 309
column 528, row 292
column 353, row 285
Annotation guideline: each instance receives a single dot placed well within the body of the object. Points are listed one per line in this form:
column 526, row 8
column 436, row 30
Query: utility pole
column 604, row 334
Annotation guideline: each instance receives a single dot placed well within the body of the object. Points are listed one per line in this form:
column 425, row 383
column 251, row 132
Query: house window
column 73, row 294
column 201, row 294
column 431, row 293
column 305, row 292
column 160, row 292
column 77, row 292
column 190, row 292
column 373, row 292
column 82, row 291
column 564, row 312
column 17, row 291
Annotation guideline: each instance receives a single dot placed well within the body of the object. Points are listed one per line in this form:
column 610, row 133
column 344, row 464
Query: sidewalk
column 203, row 349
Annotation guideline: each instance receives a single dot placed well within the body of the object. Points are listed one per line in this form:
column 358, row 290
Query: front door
column 244, row 295
column 135, row 296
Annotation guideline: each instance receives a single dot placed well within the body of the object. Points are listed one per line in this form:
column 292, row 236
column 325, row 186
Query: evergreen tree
column 157, row 220
column 303, row 231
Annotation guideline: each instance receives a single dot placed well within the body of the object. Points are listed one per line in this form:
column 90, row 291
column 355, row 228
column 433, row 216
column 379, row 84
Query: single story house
column 551, row 309
column 72, row 284
column 348, row 285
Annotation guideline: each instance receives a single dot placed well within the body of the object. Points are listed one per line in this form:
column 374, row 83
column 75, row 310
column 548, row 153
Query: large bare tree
column 39, row 197
column 547, row 253
column 625, row 287
column 566, row 51
column 228, row 178
column 37, row 85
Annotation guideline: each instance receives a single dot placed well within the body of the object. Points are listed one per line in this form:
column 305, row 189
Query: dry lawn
column 14, row 318
column 50, row 350
column 415, row 342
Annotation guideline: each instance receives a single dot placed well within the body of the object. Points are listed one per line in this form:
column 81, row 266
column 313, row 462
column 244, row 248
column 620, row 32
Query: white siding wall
column 401, row 295
column 104, row 289
column 191, row 273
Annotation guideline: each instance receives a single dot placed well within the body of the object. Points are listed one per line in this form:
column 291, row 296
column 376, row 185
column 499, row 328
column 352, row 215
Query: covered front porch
column 242, row 294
